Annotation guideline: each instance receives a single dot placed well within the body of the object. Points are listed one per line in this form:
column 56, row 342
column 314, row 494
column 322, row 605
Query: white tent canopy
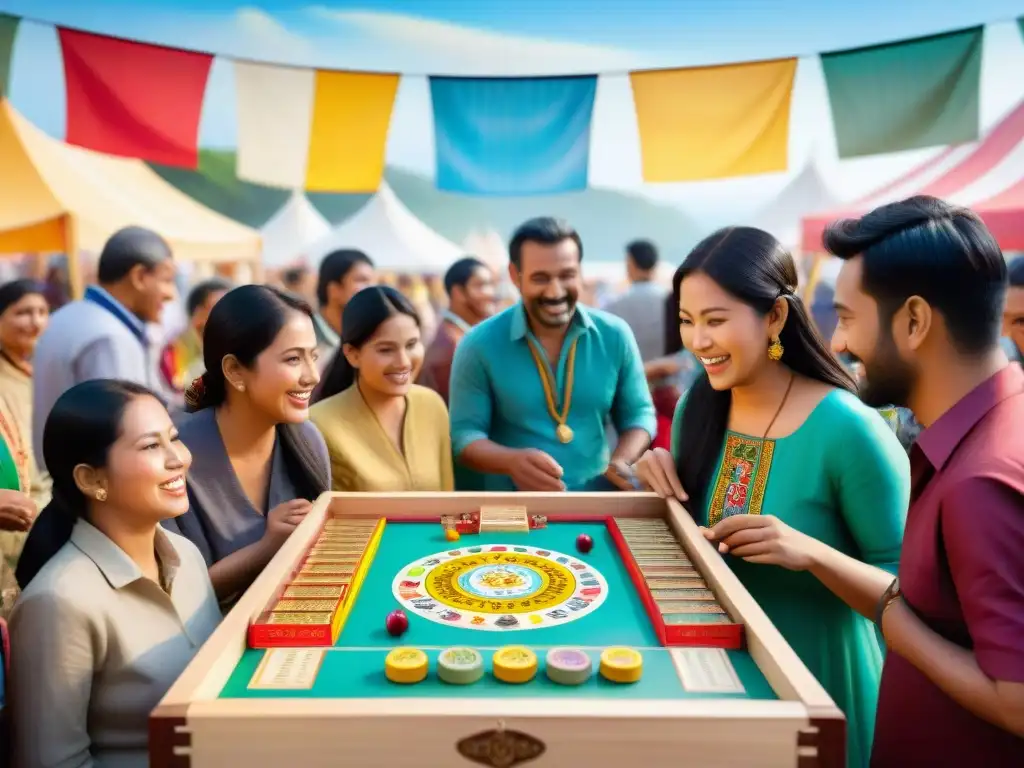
column 805, row 193
column 386, row 231
column 287, row 233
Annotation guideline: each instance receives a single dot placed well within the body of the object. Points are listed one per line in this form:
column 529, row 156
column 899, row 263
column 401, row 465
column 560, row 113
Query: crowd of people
column 867, row 489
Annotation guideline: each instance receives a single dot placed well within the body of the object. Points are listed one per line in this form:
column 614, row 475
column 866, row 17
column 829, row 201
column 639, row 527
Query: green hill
column 606, row 219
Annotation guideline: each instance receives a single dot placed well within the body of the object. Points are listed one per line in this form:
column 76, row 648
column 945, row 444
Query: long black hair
column 364, row 314
column 16, row 290
column 753, row 266
column 243, row 324
column 83, row 425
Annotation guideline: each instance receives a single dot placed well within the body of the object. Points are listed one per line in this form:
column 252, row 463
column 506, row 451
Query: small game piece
column 460, row 666
column 584, row 543
column 397, row 623
column 621, row 665
column 451, row 534
column 515, row 664
column 406, row 665
column 568, row 666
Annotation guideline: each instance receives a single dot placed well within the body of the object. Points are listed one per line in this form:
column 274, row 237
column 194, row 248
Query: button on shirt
column 962, row 572
column 95, row 645
column 496, row 392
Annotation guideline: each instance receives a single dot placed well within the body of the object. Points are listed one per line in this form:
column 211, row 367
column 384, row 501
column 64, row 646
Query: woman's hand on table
column 762, row 539
column 17, row 511
column 656, row 469
column 284, row 518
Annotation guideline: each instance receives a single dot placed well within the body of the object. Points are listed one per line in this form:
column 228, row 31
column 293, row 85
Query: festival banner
column 8, row 32
column 907, row 95
column 512, row 136
column 131, row 99
column 317, row 130
column 714, row 122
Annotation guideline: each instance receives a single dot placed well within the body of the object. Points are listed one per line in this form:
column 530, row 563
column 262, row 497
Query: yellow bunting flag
column 317, row 130
column 714, row 122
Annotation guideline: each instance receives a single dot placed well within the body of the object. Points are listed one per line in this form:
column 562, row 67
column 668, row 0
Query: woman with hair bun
column 259, row 463
column 772, row 430
column 384, row 433
column 114, row 607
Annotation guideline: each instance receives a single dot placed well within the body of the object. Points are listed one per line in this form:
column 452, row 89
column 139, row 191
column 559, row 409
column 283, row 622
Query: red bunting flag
column 135, row 100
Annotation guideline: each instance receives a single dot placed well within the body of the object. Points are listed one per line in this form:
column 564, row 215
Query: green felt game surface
column 355, row 667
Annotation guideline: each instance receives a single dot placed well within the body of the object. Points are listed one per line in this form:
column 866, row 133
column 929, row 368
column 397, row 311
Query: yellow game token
column 515, row 664
column 621, row 665
column 405, row 665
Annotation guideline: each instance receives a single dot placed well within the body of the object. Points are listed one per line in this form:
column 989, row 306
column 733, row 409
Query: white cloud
column 453, row 49
column 259, row 31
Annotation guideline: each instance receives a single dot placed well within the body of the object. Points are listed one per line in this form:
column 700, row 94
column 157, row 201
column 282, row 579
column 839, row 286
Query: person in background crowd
column 1013, row 313
column 772, row 430
column 414, row 288
column 182, row 360
column 919, row 298
column 114, row 607
column 103, row 336
column 641, row 304
column 342, row 275
column 24, row 315
column 384, row 433
column 533, row 387
column 469, row 284
column 671, row 375
column 258, row 462
column 296, row 281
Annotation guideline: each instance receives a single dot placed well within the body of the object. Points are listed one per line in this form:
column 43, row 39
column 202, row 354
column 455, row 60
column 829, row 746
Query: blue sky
column 532, row 37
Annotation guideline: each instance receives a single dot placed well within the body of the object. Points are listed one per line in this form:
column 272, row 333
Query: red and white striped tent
column 986, row 175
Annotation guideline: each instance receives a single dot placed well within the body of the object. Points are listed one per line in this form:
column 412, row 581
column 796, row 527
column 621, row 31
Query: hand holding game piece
column 763, row 539
column 584, row 543
column 533, row 470
column 397, row 623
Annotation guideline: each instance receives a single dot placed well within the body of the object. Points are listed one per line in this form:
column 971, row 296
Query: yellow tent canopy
column 56, row 198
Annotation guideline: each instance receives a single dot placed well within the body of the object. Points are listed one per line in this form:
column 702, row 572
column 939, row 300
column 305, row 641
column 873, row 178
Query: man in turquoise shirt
column 533, row 387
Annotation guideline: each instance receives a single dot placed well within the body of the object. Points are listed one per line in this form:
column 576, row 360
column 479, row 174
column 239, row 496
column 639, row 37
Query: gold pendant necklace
column 562, row 431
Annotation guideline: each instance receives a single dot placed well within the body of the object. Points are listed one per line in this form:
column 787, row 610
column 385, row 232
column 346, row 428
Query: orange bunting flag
column 714, row 122
column 134, row 100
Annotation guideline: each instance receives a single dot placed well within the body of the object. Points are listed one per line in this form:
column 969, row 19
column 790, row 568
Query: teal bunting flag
column 8, row 32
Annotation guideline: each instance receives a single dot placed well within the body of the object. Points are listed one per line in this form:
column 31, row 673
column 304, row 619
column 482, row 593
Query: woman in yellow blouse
column 384, row 433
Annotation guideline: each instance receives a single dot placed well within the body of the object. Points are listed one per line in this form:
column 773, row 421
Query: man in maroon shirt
column 919, row 300
column 469, row 284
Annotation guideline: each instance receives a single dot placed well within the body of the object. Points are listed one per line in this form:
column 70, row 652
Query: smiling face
column 728, row 337
column 884, row 376
column 283, row 376
column 1013, row 316
column 361, row 275
column 22, row 323
column 146, row 466
column 549, row 281
column 476, row 299
column 390, row 359
column 153, row 288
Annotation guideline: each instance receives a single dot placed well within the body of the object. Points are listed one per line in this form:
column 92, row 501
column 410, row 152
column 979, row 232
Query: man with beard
column 533, row 387
column 920, row 298
column 469, row 284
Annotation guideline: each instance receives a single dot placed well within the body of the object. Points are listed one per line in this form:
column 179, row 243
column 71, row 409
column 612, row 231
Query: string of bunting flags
column 326, row 131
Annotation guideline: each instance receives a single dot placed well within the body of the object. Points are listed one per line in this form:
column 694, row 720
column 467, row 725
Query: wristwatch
column 891, row 594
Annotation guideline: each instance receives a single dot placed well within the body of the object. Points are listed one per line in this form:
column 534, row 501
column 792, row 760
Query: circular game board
column 500, row 587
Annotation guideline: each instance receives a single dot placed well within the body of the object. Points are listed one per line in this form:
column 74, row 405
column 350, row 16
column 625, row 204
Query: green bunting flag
column 907, row 95
column 8, row 30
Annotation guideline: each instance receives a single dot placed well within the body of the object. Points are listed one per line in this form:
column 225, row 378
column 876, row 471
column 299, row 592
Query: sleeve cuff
column 648, row 424
column 462, row 440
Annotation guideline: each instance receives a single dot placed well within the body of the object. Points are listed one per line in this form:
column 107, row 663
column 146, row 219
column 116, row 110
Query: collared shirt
column 642, row 306
column 96, row 338
column 98, row 645
column 496, row 392
column 962, row 572
column 437, row 361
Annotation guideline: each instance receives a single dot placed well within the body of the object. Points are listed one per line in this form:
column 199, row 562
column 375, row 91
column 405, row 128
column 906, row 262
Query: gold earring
column 101, row 495
column 775, row 350
column 241, row 387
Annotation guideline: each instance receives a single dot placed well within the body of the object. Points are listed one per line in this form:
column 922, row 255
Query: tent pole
column 75, row 285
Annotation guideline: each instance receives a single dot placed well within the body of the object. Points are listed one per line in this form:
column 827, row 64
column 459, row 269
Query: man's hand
column 763, row 539
column 17, row 511
column 533, row 470
column 620, row 475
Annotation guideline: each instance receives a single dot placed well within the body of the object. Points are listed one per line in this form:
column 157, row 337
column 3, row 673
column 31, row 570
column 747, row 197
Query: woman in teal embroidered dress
column 772, row 427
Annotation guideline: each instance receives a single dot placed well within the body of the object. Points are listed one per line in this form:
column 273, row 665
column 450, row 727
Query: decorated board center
column 500, row 587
